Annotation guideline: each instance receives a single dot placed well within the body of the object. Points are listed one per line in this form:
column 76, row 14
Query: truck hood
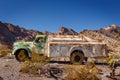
column 22, row 44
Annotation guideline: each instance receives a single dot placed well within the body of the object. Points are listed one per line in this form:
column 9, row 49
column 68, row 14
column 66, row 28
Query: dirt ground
column 10, row 70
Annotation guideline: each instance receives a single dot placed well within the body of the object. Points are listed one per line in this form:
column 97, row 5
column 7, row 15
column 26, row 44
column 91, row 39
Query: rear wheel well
column 77, row 57
column 80, row 51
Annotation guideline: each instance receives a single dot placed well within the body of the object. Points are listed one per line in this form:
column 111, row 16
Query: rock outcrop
column 66, row 31
column 112, row 31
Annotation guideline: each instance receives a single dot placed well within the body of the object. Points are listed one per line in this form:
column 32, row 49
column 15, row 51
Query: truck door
column 39, row 45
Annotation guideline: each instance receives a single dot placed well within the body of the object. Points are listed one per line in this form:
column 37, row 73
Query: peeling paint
column 63, row 46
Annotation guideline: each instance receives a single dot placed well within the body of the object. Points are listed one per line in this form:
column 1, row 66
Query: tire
column 77, row 58
column 21, row 55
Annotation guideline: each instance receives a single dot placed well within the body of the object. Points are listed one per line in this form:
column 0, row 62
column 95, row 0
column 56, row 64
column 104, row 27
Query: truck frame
column 77, row 48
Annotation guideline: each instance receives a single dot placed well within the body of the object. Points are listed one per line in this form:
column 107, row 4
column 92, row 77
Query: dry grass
column 34, row 64
column 5, row 52
column 73, row 72
column 87, row 72
column 113, row 58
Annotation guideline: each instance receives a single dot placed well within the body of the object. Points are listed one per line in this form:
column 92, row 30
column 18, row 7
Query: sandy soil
column 10, row 70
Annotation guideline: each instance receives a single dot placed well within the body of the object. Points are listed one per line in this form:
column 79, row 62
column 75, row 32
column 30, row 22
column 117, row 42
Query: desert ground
column 10, row 70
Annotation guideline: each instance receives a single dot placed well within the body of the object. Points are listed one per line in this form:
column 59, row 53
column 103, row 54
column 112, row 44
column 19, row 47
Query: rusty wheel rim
column 77, row 58
column 21, row 55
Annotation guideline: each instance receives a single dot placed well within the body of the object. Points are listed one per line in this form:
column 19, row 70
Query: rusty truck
column 77, row 48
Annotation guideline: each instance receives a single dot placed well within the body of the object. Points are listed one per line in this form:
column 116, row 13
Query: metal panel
column 59, row 50
column 54, row 50
column 63, row 45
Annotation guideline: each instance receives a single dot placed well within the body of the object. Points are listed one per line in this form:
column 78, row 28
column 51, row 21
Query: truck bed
column 62, row 46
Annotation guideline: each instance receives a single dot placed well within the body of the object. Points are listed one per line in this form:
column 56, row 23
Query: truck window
column 39, row 40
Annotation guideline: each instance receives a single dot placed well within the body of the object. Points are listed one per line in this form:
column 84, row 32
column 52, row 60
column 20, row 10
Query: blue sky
column 50, row 15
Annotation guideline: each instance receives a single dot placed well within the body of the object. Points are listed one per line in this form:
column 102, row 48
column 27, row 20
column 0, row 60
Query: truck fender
column 75, row 48
column 27, row 49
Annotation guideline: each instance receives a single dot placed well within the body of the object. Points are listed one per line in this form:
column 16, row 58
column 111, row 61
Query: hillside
column 10, row 33
column 112, row 31
column 110, row 35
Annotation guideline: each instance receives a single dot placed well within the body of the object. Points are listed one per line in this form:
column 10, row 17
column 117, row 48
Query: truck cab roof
column 41, row 36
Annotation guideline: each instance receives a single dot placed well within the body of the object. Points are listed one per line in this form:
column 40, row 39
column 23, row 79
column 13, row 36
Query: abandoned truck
column 75, row 47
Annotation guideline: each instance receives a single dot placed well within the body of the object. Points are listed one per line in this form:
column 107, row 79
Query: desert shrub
column 40, row 58
column 113, row 58
column 34, row 64
column 87, row 72
column 5, row 52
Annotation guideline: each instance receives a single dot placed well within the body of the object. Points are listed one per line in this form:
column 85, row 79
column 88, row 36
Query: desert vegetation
column 86, row 72
column 113, row 61
column 5, row 52
column 40, row 65
column 34, row 64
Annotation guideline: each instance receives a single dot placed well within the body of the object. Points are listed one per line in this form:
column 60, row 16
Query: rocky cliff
column 66, row 31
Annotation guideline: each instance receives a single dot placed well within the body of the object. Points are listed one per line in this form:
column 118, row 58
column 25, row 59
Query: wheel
column 21, row 55
column 77, row 58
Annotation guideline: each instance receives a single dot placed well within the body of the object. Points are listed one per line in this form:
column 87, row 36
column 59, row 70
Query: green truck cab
column 23, row 50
